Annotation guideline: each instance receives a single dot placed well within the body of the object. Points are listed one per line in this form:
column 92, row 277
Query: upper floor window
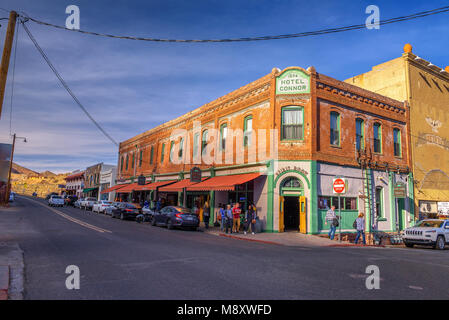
column 134, row 159
column 151, row 154
column 335, row 128
column 121, row 163
column 377, row 138
column 204, row 142
column 360, row 134
column 162, row 152
column 181, row 148
column 171, row 154
column 196, row 137
column 247, row 131
column 223, row 135
column 140, row 158
column 397, row 142
column 292, row 123
column 127, row 160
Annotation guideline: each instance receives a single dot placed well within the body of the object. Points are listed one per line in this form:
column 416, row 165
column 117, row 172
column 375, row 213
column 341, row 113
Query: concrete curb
column 4, row 282
column 248, row 239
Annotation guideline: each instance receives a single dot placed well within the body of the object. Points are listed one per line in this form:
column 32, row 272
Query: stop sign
column 339, row 185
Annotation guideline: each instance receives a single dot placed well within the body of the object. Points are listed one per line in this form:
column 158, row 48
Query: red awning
column 178, row 186
column 223, row 183
column 114, row 188
column 146, row 187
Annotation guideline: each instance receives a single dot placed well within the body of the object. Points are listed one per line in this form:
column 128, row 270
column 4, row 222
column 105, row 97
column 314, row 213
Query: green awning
column 89, row 189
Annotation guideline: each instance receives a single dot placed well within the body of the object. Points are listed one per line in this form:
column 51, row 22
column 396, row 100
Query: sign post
column 339, row 187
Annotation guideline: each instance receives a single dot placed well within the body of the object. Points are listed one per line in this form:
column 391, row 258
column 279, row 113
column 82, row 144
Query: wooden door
column 281, row 214
column 302, row 215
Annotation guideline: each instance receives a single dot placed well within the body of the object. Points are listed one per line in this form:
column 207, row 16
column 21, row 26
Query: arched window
column 335, row 128
column 204, row 142
column 292, row 123
column 377, row 137
column 360, row 134
column 171, row 154
column 291, row 182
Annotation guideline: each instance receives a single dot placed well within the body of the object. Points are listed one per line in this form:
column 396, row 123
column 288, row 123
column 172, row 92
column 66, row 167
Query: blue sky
column 132, row 86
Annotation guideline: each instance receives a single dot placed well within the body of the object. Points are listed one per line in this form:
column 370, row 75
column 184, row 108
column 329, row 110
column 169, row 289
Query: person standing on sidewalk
column 236, row 211
column 250, row 219
column 229, row 218
column 222, row 215
column 360, row 221
column 206, row 214
column 331, row 218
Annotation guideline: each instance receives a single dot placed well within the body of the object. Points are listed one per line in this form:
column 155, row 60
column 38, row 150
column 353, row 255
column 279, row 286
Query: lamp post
column 8, row 186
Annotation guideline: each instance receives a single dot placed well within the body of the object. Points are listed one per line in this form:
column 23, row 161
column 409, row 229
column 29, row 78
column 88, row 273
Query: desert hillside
column 26, row 181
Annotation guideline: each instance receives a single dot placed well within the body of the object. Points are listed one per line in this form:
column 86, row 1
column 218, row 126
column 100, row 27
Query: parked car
column 100, row 206
column 70, row 200
column 112, row 206
column 87, row 203
column 12, row 196
column 125, row 210
column 50, row 194
column 429, row 232
column 56, row 201
column 77, row 203
column 174, row 216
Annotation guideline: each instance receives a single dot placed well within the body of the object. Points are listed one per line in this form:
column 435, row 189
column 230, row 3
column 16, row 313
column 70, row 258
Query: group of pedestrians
column 333, row 220
column 230, row 218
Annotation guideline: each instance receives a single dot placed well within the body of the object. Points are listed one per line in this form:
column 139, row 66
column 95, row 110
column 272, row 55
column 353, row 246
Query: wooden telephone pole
column 6, row 55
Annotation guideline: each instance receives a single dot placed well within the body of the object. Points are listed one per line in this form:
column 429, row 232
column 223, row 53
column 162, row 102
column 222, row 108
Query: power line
column 260, row 38
column 64, row 84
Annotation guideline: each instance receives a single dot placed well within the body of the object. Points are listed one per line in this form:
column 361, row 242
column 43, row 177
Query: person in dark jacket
column 229, row 218
column 250, row 219
column 206, row 214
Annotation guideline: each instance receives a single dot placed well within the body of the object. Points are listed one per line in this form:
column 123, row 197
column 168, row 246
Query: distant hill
column 47, row 174
column 22, row 170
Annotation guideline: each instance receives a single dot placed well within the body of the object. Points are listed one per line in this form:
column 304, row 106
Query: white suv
column 430, row 232
column 56, row 201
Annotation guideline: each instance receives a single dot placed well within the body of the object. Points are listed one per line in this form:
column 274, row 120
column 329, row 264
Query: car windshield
column 429, row 224
column 56, row 197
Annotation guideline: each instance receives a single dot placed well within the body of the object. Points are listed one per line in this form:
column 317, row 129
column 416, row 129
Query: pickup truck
column 56, row 201
column 88, row 203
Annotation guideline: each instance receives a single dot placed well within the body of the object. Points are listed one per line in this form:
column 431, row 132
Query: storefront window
column 324, row 203
column 346, row 203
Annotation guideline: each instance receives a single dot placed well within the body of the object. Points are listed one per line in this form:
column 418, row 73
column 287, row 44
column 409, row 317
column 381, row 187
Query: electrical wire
column 260, row 38
column 64, row 84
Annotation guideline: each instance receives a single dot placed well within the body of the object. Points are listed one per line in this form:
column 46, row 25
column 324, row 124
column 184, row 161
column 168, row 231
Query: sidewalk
column 11, row 257
column 294, row 239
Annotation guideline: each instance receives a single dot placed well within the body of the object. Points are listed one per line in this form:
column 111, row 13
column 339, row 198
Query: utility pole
column 6, row 55
column 8, row 186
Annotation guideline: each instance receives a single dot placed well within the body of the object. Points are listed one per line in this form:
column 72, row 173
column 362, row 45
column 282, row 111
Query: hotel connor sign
column 293, row 81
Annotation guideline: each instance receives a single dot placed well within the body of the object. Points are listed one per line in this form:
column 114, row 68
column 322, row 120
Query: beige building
column 426, row 88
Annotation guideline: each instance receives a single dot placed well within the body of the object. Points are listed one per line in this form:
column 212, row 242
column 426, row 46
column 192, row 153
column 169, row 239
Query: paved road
column 126, row 260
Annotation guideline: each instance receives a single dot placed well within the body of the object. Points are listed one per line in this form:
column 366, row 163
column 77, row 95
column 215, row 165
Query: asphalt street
column 125, row 260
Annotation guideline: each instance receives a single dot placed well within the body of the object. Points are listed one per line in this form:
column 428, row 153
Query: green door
column 401, row 214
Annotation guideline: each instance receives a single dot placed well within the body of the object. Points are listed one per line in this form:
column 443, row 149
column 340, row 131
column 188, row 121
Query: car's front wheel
column 408, row 245
column 169, row 224
column 440, row 244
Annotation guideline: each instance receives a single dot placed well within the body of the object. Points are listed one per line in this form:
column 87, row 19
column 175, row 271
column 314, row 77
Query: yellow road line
column 82, row 223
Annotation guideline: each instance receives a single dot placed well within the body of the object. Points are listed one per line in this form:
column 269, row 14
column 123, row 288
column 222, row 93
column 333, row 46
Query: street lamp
column 8, row 186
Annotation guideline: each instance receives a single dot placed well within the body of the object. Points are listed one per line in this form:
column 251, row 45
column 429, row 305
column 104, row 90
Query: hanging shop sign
column 399, row 190
column 195, row 174
column 293, row 81
column 141, row 180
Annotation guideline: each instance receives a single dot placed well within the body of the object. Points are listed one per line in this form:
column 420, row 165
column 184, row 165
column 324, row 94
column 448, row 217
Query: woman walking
column 250, row 219
column 360, row 221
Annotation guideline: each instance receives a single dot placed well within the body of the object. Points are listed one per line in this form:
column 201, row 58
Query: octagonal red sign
column 339, row 185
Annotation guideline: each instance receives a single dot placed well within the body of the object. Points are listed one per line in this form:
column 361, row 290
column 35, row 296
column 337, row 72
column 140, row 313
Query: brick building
column 92, row 179
column 426, row 88
column 75, row 183
column 278, row 142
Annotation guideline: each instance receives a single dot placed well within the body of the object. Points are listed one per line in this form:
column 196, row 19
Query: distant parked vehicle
column 100, row 206
column 34, row 194
column 50, row 194
column 12, row 196
column 88, row 203
column 77, row 203
column 428, row 232
column 125, row 210
column 108, row 210
column 56, row 201
column 70, row 200
column 173, row 216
